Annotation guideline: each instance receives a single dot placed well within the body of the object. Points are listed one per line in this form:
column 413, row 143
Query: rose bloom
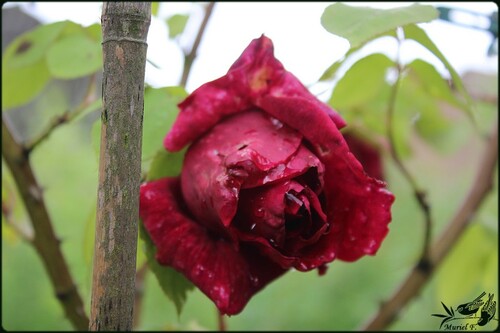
column 268, row 184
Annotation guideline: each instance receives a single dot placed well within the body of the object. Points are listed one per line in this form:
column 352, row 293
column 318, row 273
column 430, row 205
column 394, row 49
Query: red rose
column 268, row 184
column 366, row 153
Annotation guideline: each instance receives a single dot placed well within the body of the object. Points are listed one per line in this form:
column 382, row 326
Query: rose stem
column 419, row 194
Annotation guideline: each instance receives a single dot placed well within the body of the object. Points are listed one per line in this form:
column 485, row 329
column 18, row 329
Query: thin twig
column 66, row 117
column 45, row 240
column 189, row 58
column 441, row 247
column 419, row 194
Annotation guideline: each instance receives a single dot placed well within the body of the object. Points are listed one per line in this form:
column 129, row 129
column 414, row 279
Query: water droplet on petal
column 259, row 212
column 278, row 124
column 253, row 226
column 254, row 280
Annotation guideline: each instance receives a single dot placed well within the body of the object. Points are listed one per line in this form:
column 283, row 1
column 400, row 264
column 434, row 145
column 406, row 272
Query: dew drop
column 278, row 124
column 253, row 226
column 254, row 280
column 259, row 212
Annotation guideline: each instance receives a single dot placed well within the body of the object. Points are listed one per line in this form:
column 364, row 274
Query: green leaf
column 362, row 82
column 74, row 56
column 330, row 71
column 469, row 260
column 21, row 84
column 155, row 6
column 173, row 283
column 94, row 32
column 433, row 83
column 95, row 136
column 361, row 24
column 166, row 164
column 420, row 108
column 31, row 46
column 160, row 111
column 89, row 239
column 176, row 24
column 95, row 105
column 420, row 36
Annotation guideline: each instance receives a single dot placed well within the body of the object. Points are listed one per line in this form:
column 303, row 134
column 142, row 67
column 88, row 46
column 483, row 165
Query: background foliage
column 434, row 135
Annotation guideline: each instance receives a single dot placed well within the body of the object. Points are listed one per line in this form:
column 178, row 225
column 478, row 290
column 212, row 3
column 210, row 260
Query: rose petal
column 358, row 206
column 255, row 74
column 262, row 220
column 228, row 275
column 366, row 154
column 247, row 145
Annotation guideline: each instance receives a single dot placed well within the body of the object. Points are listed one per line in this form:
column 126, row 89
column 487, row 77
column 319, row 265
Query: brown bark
column 124, row 28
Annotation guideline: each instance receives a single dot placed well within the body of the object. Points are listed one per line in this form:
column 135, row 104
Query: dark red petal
column 262, row 220
column 218, row 164
column 255, row 74
column 358, row 206
column 227, row 275
column 365, row 153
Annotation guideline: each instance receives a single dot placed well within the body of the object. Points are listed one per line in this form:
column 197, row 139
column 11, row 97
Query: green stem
column 419, row 194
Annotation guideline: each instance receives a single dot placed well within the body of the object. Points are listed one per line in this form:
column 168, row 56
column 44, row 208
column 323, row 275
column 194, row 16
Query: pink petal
column 229, row 275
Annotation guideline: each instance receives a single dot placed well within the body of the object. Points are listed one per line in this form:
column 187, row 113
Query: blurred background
column 66, row 165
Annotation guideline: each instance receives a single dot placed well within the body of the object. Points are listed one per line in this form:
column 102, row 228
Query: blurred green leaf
column 166, row 164
column 89, row 239
column 160, row 111
column 74, row 56
column 361, row 82
column 173, row 283
column 94, row 106
column 329, row 73
column 420, row 36
column 360, row 24
column 423, row 110
column 30, row 47
column 21, row 84
column 176, row 24
column 433, row 83
column 95, row 136
column 94, row 31
column 462, row 272
column 155, row 6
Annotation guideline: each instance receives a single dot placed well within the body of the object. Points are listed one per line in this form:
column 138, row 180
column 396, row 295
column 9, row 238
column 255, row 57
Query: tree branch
column 125, row 27
column 441, row 247
column 189, row 58
column 64, row 118
column 44, row 239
